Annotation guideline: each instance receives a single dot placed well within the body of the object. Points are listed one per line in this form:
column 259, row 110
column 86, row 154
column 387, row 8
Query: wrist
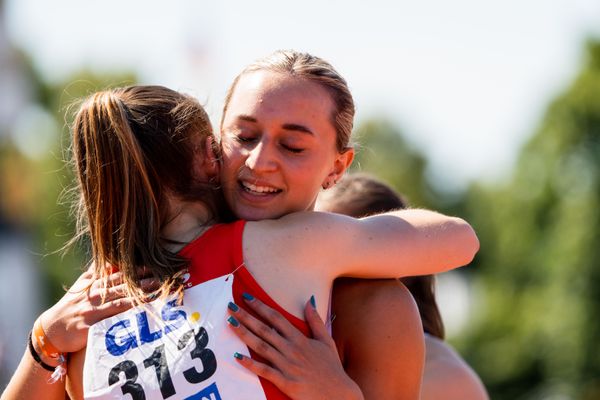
column 45, row 354
column 54, row 332
column 51, row 322
column 44, row 343
column 35, row 350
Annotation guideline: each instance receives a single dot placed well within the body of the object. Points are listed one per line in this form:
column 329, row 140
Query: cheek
column 307, row 178
column 318, row 167
column 231, row 158
column 229, row 146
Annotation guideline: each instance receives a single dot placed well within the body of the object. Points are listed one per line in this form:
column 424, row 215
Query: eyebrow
column 247, row 118
column 287, row 127
column 297, row 127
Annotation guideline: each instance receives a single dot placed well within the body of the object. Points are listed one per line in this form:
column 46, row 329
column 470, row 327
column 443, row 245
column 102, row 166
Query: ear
column 206, row 163
column 212, row 167
column 343, row 160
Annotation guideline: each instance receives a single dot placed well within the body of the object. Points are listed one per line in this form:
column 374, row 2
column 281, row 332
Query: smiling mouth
column 258, row 190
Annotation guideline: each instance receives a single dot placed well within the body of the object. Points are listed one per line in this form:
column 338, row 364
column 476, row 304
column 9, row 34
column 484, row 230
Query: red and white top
column 161, row 350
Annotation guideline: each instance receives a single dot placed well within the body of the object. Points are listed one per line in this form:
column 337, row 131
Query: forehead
column 282, row 97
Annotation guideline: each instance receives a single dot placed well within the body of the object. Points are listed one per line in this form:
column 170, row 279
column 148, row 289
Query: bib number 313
column 158, row 361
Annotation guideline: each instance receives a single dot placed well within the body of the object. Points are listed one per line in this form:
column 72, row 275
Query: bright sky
column 466, row 80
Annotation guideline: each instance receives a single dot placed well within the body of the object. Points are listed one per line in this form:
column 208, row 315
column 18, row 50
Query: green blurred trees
column 382, row 151
column 535, row 334
column 538, row 333
column 61, row 101
column 33, row 188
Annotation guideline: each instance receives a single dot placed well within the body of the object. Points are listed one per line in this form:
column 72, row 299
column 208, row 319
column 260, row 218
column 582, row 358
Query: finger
column 316, row 324
column 97, row 296
column 88, row 273
column 141, row 272
column 112, row 308
column 114, row 279
column 108, row 269
column 259, row 328
column 115, row 292
column 261, row 369
column 273, row 318
column 117, row 288
column 260, row 346
column 82, row 282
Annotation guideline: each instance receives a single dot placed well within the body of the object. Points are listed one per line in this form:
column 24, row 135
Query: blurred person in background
column 447, row 376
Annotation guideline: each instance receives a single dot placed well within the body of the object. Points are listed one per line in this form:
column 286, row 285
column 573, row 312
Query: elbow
column 473, row 244
column 469, row 242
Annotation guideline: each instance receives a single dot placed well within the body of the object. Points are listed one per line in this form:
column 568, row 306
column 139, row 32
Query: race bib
column 164, row 351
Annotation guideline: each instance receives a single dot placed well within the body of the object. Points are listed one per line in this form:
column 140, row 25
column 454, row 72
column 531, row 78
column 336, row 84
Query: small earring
column 329, row 184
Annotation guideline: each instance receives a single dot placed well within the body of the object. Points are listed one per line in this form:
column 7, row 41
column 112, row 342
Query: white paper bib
column 163, row 351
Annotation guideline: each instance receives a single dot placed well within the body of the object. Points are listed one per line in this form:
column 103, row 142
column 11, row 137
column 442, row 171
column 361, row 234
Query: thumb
column 315, row 323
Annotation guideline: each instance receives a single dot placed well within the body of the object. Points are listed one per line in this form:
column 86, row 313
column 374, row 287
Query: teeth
column 259, row 189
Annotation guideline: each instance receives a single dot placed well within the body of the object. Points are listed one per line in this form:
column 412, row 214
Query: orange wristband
column 42, row 340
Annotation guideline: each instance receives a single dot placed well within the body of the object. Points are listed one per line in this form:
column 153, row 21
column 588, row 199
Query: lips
column 258, row 188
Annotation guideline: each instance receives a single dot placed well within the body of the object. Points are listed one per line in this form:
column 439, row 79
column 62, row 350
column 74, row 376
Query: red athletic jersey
column 219, row 252
column 162, row 350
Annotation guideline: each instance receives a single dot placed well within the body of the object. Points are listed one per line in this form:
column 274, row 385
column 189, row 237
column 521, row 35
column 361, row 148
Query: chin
column 256, row 214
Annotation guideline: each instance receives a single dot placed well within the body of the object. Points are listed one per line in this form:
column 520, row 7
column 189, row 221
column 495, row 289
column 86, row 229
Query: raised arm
column 395, row 244
column 422, row 241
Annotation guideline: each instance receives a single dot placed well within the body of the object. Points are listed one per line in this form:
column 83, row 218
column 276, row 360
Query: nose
column 262, row 157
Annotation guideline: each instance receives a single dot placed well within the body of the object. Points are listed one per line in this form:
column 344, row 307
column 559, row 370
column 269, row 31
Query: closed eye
column 291, row 149
column 245, row 139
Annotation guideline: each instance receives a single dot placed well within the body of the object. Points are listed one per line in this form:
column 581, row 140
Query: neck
column 188, row 221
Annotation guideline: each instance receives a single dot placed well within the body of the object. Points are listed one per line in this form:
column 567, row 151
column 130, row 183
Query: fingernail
column 247, row 296
column 233, row 307
column 238, row 355
column 313, row 302
column 232, row 321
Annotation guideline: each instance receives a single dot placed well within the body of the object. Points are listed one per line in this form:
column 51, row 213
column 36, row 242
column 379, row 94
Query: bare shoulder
column 285, row 260
column 305, row 221
column 282, row 239
column 382, row 303
column 371, row 298
column 303, row 238
column 448, row 375
column 376, row 321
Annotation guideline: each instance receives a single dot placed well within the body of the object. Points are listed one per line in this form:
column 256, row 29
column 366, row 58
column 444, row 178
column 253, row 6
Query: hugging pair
column 158, row 193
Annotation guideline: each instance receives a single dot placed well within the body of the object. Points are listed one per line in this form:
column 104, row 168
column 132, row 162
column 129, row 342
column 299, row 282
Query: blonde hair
column 132, row 147
column 314, row 69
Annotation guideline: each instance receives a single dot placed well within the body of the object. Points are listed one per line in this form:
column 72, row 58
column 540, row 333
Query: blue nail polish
column 238, row 355
column 234, row 322
column 233, row 307
column 247, row 296
column 313, row 302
